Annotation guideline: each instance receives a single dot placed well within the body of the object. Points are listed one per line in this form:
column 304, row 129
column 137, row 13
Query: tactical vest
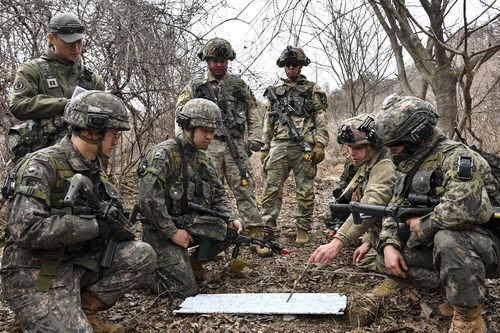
column 232, row 100
column 429, row 179
column 33, row 135
column 300, row 97
column 62, row 171
column 50, row 79
column 200, row 183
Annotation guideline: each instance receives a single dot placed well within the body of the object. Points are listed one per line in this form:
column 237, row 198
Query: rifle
column 232, row 236
column 102, row 209
column 223, row 131
column 414, row 205
column 282, row 110
column 341, row 212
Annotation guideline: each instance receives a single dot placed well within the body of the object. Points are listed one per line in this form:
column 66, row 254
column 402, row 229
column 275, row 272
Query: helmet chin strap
column 97, row 142
column 370, row 152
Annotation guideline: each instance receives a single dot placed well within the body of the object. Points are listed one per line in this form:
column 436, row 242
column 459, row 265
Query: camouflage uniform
column 161, row 201
column 52, row 253
column 233, row 92
column 286, row 155
column 32, row 99
column 453, row 247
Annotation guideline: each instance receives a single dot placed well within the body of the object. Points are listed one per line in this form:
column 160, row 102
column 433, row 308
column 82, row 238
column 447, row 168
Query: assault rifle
column 414, row 205
column 80, row 185
column 282, row 110
column 340, row 212
column 223, row 131
column 232, row 236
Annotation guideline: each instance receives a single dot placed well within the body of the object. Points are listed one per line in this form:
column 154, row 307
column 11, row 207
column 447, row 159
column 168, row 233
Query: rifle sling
column 416, row 167
column 184, row 176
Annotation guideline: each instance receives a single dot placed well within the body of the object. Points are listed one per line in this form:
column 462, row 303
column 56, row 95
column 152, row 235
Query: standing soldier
column 52, row 274
column 454, row 246
column 242, row 132
column 174, row 173
column 295, row 136
column 43, row 86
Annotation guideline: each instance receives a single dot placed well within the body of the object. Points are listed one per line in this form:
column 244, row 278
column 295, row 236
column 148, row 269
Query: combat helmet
column 95, row 109
column 199, row 112
column 353, row 131
column 217, row 47
column 292, row 53
column 404, row 119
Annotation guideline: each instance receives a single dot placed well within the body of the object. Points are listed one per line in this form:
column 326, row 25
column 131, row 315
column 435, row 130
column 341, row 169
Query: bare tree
column 145, row 52
column 437, row 61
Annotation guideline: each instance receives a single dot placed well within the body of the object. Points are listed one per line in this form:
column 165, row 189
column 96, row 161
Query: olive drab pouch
column 207, row 226
column 26, row 138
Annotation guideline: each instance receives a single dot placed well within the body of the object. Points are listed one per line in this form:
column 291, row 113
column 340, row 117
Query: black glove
column 104, row 229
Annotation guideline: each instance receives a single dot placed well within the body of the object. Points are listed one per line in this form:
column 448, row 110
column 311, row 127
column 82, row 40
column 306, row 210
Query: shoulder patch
column 33, row 171
column 19, row 86
column 322, row 98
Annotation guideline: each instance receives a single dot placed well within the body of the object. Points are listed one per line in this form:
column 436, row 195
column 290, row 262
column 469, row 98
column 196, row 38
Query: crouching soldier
column 52, row 275
column 174, row 174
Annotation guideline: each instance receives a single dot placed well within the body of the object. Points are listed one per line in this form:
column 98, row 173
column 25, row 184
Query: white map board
column 270, row 303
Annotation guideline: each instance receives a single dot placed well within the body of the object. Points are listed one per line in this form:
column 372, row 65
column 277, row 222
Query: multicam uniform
column 160, row 200
column 285, row 155
column 452, row 247
column 372, row 184
column 33, row 99
column 52, row 253
column 238, row 99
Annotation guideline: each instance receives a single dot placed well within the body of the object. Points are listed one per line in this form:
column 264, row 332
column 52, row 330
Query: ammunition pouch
column 26, row 138
column 202, row 226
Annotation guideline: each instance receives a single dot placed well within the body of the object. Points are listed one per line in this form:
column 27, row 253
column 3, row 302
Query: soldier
column 43, row 86
column 373, row 184
column 280, row 154
column 51, row 274
column 173, row 173
column 454, row 246
column 241, row 116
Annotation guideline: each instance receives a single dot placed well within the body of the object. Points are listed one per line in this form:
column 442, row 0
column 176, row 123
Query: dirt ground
column 407, row 311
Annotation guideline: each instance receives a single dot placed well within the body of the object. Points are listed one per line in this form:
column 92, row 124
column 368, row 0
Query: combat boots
column 467, row 320
column 444, row 309
column 302, row 236
column 388, row 287
column 258, row 232
column 16, row 326
column 90, row 306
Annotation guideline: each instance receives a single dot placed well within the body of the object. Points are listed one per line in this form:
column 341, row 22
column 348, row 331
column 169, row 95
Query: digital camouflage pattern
column 285, row 155
column 99, row 103
column 451, row 247
column 237, row 97
column 293, row 53
column 160, row 193
column 200, row 112
column 64, row 240
column 217, row 47
column 31, row 101
column 401, row 118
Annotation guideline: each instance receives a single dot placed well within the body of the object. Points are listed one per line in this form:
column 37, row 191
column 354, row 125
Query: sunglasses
column 70, row 29
column 292, row 64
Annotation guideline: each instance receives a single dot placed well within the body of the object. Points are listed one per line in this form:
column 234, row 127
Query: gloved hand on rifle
column 318, row 153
